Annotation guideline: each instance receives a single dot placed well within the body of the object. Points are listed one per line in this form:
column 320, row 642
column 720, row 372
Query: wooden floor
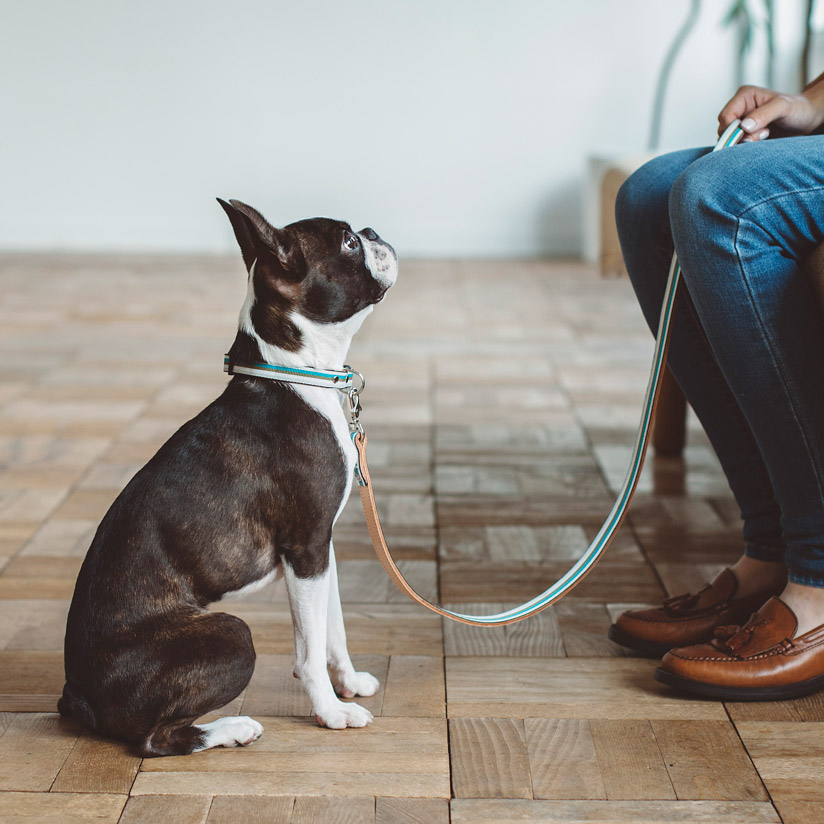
column 500, row 409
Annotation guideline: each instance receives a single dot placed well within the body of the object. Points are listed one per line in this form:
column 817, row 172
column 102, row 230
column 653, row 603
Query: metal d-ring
column 359, row 374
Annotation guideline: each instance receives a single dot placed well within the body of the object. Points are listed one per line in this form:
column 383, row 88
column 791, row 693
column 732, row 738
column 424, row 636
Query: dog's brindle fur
column 249, row 487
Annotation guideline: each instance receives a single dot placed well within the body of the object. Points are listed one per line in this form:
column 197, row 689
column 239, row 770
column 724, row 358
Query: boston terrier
column 245, row 492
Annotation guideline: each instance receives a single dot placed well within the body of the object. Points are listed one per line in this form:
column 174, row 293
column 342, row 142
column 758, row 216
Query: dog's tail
column 75, row 704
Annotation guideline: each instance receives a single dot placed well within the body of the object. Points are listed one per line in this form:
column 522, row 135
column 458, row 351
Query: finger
column 741, row 103
column 755, row 138
column 758, row 119
column 734, row 110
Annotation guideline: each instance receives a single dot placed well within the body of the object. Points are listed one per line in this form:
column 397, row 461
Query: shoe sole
column 648, row 648
column 723, row 693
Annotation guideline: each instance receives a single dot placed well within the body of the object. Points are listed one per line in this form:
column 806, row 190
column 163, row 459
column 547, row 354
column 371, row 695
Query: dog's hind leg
column 309, row 603
column 73, row 702
column 206, row 662
column 347, row 682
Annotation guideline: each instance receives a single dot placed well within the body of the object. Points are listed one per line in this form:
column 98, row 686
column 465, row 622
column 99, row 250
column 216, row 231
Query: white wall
column 452, row 126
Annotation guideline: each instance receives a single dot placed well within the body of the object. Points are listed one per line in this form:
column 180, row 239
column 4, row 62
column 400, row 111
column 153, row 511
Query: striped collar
column 328, row 379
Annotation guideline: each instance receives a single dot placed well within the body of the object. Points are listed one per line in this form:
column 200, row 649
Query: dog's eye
column 350, row 241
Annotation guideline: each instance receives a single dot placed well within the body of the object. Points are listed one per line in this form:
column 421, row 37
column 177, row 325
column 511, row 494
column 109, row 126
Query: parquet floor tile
column 490, row 811
column 619, row 688
column 789, row 757
column 488, row 491
column 65, row 808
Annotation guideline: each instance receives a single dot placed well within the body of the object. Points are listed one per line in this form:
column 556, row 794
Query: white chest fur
column 327, row 402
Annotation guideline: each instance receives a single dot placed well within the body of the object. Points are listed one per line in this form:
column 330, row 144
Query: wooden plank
column 363, row 581
column 411, row 811
column 799, row 812
column 233, row 782
column 808, row 708
column 518, row 581
column 489, row 758
column 584, row 627
column 32, row 672
column 310, row 810
column 181, row 809
column 796, row 789
column 422, row 576
column 33, row 749
column 562, row 759
column 97, row 765
column 252, row 760
column 631, row 763
column 787, row 742
column 377, row 665
column 491, row 811
column 463, row 639
column 63, row 808
column 20, row 588
column 19, row 702
column 617, row 688
column 466, row 511
column 31, row 625
column 539, row 637
column 43, row 566
column 747, row 711
column 250, row 809
column 707, row 761
column 415, row 687
column 273, row 689
column 789, row 757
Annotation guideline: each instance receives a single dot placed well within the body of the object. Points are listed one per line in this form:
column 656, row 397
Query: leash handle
column 602, row 540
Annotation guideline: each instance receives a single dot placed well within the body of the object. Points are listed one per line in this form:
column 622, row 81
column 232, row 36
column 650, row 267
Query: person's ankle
column 754, row 575
column 807, row 603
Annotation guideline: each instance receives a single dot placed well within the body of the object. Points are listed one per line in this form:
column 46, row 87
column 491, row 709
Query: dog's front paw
column 357, row 683
column 340, row 716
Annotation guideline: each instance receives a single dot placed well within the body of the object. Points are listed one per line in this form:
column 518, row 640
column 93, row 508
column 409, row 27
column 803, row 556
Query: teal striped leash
column 587, row 561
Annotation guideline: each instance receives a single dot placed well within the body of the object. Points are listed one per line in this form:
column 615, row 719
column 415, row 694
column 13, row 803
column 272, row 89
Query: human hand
column 763, row 111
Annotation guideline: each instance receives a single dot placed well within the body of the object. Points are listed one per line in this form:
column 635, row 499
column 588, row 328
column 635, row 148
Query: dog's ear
column 259, row 240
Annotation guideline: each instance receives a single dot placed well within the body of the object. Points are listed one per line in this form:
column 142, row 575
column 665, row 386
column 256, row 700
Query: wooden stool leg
column 669, row 431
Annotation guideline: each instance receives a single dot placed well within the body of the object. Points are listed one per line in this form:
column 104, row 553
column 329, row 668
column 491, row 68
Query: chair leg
column 669, row 432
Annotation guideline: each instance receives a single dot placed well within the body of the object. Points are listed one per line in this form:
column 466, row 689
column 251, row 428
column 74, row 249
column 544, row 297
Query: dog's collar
column 326, row 378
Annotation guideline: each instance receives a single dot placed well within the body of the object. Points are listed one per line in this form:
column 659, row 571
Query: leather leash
column 587, row 562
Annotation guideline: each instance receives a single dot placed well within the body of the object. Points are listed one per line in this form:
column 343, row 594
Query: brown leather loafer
column 761, row 661
column 687, row 619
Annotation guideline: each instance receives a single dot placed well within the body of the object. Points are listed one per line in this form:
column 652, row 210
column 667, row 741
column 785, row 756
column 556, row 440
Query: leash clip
column 353, row 396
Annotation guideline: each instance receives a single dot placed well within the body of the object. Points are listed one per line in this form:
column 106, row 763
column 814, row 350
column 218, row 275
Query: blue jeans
column 747, row 333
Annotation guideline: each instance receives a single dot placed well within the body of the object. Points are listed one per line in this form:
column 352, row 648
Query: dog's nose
column 370, row 234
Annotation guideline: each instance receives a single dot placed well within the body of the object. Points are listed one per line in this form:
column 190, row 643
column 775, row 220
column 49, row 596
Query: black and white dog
column 247, row 490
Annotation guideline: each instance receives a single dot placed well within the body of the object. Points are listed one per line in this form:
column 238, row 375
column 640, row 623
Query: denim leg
column 642, row 216
column 742, row 219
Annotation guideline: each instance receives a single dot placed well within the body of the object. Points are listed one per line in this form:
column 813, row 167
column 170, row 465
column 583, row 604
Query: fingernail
column 763, row 135
column 748, row 124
